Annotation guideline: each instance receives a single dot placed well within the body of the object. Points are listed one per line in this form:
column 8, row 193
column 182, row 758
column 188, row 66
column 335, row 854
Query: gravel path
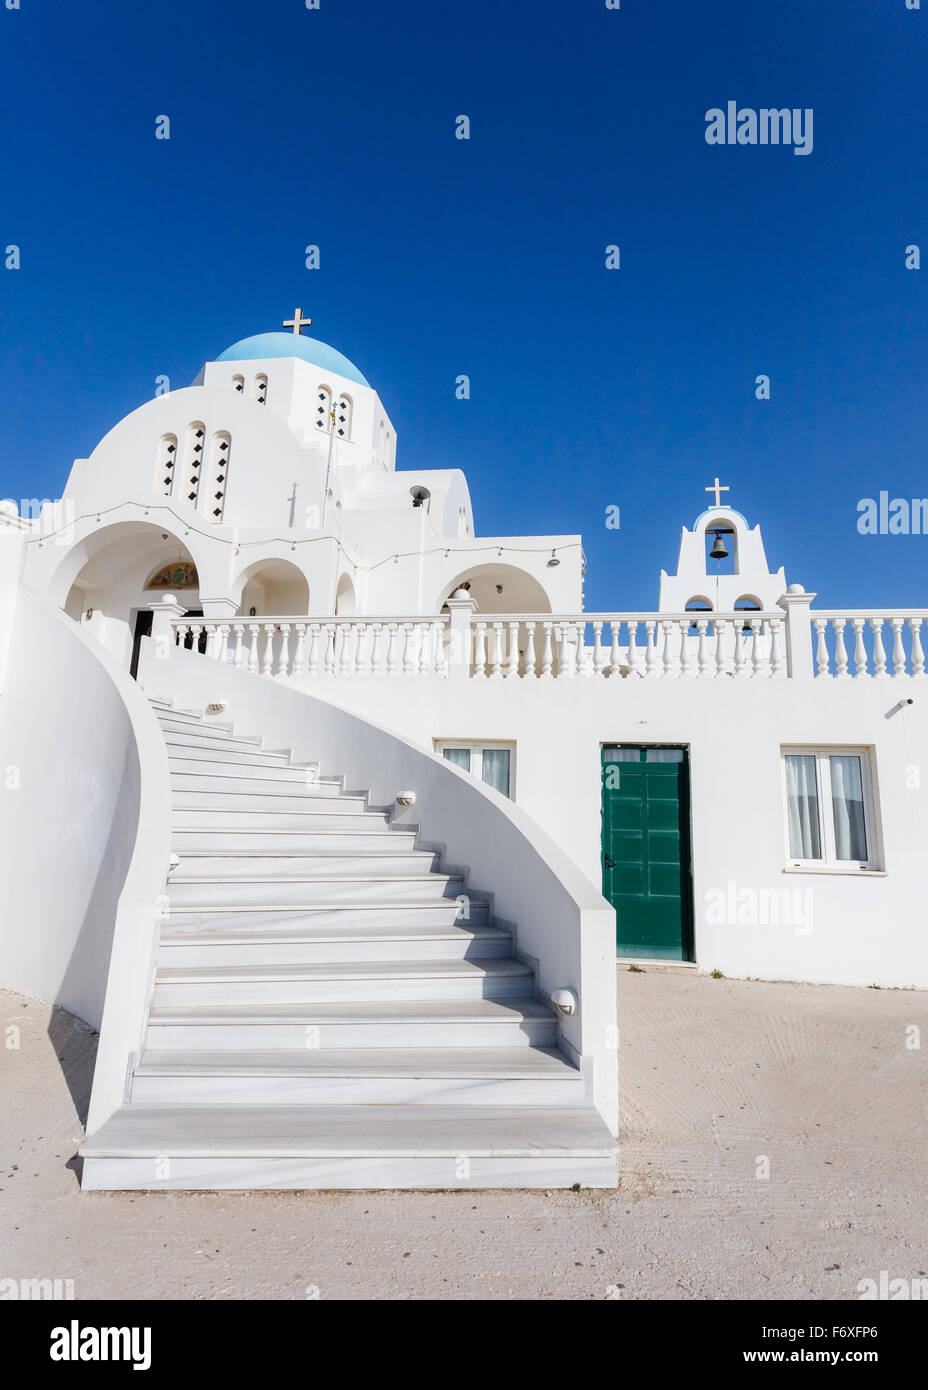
column 717, row 1076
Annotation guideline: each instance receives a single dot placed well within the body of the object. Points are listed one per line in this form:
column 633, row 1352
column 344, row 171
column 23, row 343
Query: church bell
column 718, row 551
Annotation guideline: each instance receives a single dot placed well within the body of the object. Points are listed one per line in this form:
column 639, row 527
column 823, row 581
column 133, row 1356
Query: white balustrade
column 868, row 630
column 743, row 645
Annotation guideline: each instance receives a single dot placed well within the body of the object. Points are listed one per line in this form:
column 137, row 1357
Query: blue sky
column 590, row 387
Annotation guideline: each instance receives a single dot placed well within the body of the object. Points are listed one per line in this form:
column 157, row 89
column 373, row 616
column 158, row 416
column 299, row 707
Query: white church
column 334, row 816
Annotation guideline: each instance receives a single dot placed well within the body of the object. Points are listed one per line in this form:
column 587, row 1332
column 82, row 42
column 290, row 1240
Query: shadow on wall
column 75, row 1044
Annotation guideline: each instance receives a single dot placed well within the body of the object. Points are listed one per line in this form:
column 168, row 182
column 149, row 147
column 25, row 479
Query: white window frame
column 826, row 822
column 477, row 747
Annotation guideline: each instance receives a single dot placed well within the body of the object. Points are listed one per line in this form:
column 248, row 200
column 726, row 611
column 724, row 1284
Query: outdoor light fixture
column 565, row 1001
column 554, row 560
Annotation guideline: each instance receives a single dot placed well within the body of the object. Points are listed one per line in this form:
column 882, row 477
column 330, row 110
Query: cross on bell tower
column 297, row 322
column 716, row 487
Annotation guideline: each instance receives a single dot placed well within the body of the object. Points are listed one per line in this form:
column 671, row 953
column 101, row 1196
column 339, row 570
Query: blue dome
column 293, row 345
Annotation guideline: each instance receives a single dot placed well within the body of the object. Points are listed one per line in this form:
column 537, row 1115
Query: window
column 829, row 808
column 492, row 763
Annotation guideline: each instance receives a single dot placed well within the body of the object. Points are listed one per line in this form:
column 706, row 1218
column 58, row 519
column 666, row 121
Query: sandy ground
column 717, row 1075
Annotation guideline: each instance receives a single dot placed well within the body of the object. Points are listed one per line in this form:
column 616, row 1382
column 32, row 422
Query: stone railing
column 321, row 647
column 869, row 642
column 465, row 644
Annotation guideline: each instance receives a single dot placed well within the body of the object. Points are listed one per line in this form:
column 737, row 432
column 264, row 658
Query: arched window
column 749, row 604
column 220, row 447
column 165, row 464
column 239, row 384
column 343, row 413
column 261, row 389
column 193, row 462
column 323, row 409
column 698, row 605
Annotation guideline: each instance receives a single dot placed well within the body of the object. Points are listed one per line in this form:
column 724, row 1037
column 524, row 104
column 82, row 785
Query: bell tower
column 722, row 565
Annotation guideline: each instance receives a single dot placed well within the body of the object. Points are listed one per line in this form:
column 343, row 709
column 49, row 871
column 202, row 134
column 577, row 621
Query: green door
column 646, row 850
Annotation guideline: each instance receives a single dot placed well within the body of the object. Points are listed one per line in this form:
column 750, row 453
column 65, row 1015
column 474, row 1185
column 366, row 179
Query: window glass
column 496, row 769
column 622, row 755
column 847, row 802
column 664, row 755
column 459, row 756
column 802, row 807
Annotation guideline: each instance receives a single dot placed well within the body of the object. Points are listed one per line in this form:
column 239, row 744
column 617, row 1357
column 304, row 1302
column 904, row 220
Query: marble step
column 339, row 982
column 274, row 813
column 309, row 841
column 289, row 864
column 285, row 945
column 358, row 888
column 337, row 916
column 227, row 781
column 209, row 742
column 393, row 1076
column 192, row 763
column 376, row 1025
column 348, row 1146
column 284, row 800
column 172, row 723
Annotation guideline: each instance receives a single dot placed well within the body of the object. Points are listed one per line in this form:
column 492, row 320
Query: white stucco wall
column 865, row 929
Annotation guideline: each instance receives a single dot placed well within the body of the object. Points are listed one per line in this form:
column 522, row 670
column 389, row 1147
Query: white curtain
column 802, row 807
column 496, row 769
column 459, row 756
column 847, row 800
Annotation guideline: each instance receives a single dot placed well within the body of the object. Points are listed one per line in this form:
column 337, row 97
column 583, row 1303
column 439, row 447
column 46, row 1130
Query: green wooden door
column 646, row 850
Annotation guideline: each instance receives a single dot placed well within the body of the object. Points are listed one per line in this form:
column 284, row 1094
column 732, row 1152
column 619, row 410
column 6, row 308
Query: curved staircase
column 332, row 1006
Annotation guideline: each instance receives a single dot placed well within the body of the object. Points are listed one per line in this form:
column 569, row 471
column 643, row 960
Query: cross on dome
column 716, row 487
column 297, row 322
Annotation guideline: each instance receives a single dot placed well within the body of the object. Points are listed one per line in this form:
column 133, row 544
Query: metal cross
column 716, row 487
column 296, row 323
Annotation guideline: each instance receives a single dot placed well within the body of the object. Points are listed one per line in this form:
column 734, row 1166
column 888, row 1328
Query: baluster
column 530, row 650
column 299, row 656
column 599, row 656
column 898, row 648
column 238, row 654
column 841, row 670
column 345, row 653
column 821, row 652
column 720, row 628
column 758, row 664
column 409, row 663
column 614, row 662
column 376, row 648
column 393, row 652
column 330, row 638
column 738, row 652
column 879, row 655
column 440, row 666
column 704, row 664
column 282, row 668
column 584, row 657
column 634, row 669
column 918, row 656
column 566, row 658
column 776, row 647
column 315, row 656
column 425, row 649
column 687, row 665
column 667, row 627
column 254, row 636
column 512, row 667
column 547, row 652
column 480, row 650
column 213, row 641
column 650, row 656
column 267, row 660
column 860, row 650
column 361, row 666
column 496, row 658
